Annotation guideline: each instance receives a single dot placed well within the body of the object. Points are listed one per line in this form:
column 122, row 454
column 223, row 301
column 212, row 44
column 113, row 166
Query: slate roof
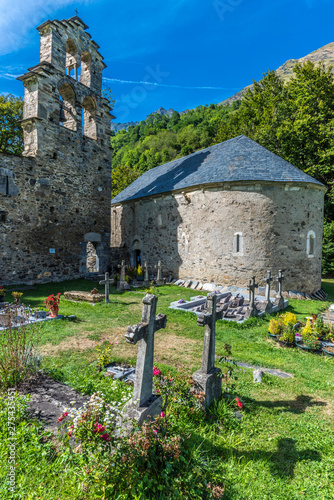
column 238, row 159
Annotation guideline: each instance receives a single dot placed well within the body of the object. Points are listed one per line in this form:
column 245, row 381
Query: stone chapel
column 224, row 214
column 55, row 200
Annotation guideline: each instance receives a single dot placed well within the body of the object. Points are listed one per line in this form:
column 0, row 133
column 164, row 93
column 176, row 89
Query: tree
column 11, row 134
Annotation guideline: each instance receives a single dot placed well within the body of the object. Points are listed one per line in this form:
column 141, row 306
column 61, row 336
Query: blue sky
column 176, row 53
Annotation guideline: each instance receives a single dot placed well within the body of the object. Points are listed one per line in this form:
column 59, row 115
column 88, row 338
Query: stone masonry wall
column 194, row 233
column 56, row 198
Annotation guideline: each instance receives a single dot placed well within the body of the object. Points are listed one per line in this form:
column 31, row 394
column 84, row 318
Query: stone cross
column 279, row 297
column 208, row 378
column 268, row 305
column 251, row 310
column 159, row 275
column 122, row 283
column 106, row 282
column 144, row 403
column 146, row 278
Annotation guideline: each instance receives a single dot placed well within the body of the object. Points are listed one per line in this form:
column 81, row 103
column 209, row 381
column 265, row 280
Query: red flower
column 239, row 403
column 162, row 414
column 156, row 371
column 65, row 414
column 70, row 434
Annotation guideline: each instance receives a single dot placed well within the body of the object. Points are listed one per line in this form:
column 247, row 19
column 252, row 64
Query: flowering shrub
column 2, row 291
column 94, row 424
column 17, row 295
column 310, row 336
column 275, row 326
column 52, row 300
column 94, row 291
column 289, row 319
column 105, row 354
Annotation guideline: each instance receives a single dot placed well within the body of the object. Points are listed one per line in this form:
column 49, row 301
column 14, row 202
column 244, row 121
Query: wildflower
column 60, row 418
column 156, row 371
column 155, row 432
column 239, row 403
column 70, row 434
column 65, row 414
column 162, row 414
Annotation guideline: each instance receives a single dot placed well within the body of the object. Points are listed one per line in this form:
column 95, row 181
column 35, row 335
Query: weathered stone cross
column 146, row 278
column 106, row 282
column 121, row 284
column 208, row 378
column 251, row 310
column 143, row 400
column 268, row 305
column 159, row 274
column 279, row 296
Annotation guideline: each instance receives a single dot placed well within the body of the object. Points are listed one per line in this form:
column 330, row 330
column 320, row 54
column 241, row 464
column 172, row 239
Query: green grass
column 282, row 449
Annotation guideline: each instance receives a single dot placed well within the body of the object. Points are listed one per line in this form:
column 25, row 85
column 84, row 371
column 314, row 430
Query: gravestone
column 122, row 284
column 144, row 403
column 268, row 306
column 83, row 296
column 251, row 309
column 106, row 282
column 146, row 277
column 159, row 274
column 208, row 379
column 279, row 297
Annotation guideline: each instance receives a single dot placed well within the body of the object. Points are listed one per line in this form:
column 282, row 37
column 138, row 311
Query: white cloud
column 116, row 80
column 18, row 17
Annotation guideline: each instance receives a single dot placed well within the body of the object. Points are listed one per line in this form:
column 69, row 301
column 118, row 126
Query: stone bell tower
column 63, row 91
column 56, row 199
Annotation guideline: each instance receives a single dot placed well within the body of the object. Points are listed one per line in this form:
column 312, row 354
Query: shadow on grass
column 281, row 462
column 297, row 406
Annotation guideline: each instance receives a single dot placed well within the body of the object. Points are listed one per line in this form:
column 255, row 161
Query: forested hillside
column 294, row 119
column 160, row 139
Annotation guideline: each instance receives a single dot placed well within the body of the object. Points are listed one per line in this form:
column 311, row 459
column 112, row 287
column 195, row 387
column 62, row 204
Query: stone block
column 209, row 287
column 194, row 285
column 151, row 409
column 187, row 284
column 199, row 286
column 84, row 296
column 210, row 384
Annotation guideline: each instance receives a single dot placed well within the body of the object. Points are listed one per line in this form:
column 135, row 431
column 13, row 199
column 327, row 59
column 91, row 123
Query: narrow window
column 310, row 245
column 238, row 244
column 4, row 185
column 89, row 121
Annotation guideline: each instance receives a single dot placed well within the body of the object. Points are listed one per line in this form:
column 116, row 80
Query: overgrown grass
column 282, row 448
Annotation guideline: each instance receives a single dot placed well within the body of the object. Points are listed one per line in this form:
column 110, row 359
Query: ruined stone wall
column 194, row 233
column 56, row 198
column 52, row 205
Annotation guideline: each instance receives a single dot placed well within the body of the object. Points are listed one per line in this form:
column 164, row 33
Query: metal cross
column 144, row 334
column 76, row 11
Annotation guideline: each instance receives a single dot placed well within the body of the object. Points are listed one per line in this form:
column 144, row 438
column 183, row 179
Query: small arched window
column 86, row 68
column 67, row 110
column 238, row 246
column 89, row 113
column 310, row 244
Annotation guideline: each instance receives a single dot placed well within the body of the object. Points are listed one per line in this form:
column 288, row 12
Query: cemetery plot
column 14, row 316
column 233, row 305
